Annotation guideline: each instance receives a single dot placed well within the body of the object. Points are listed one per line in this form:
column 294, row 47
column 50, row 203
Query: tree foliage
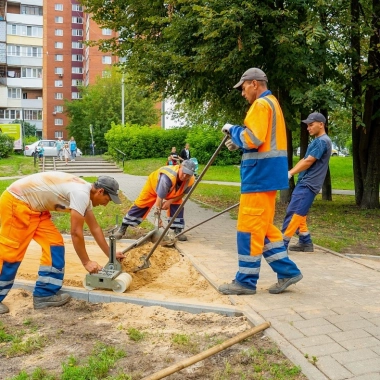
column 100, row 106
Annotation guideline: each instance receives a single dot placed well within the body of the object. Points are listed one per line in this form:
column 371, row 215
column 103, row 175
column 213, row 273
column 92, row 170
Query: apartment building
column 43, row 61
column 21, row 52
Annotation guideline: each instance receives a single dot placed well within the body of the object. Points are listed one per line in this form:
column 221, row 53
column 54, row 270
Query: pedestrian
column 40, row 151
column 25, row 215
column 164, row 190
column 59, row 146
column 73, row 148
column 312, row 168
column 66, row 153
column 174, row 158
column 263, row 171
column 185, row 152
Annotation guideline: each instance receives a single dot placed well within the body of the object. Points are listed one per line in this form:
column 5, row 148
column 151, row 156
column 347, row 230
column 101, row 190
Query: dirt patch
column 69, row 334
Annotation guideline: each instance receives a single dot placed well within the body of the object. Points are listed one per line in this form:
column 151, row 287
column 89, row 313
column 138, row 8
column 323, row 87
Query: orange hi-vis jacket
column 264, row 165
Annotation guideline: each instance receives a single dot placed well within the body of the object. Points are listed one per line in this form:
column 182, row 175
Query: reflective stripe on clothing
column 296, row 214
column 264, row 165
column 19, row 225
column 257, row 236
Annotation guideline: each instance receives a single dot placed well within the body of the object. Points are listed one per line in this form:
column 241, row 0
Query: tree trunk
column 285, row 195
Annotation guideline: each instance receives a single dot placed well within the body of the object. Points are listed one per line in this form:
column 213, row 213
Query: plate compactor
column 110, row 277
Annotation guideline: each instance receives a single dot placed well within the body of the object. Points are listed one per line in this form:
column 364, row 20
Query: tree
column 29, row 129
column 100, row 106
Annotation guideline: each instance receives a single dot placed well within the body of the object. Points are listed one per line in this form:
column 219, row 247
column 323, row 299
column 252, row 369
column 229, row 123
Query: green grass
column 17, row 165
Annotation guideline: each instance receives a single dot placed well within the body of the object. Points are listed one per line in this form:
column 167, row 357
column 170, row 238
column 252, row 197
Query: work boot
column 236, row 289
column 283, row 283
column 302, row 247
column 182, row 237
column 3, row 308
column 121, row 231
column 51, row 301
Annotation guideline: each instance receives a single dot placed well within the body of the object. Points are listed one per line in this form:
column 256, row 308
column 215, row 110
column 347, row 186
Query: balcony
column 24, row 19
column 24, row 61
column 24, row 82
column 38, row 3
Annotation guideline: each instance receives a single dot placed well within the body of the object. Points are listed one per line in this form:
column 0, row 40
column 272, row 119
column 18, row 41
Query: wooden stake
column 205, row 354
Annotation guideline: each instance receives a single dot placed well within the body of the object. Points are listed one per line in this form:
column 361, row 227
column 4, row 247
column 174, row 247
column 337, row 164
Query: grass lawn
column 17, row 165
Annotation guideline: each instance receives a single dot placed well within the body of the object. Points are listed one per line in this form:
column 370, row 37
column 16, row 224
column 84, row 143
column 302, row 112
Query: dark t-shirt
column 175, row 157
column 319, row 148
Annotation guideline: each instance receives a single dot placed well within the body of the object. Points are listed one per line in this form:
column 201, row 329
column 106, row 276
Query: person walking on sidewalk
column 164, row 190
column 263, row 171
column 73, row 148
column 66, row 153
column 59, row 146
column 25, row 215
column 185, row 152
column 312, row 168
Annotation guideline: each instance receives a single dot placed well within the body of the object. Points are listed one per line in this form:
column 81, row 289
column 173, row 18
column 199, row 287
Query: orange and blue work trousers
column 296, row 213
column 257, row 236
column 19, row 225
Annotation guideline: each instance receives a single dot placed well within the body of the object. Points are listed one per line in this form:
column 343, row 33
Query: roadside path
column 332, row 316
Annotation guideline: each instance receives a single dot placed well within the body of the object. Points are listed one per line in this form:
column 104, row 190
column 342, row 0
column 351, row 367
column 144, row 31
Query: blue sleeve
column 235, row 133
column 163, row 186
column 316, row 149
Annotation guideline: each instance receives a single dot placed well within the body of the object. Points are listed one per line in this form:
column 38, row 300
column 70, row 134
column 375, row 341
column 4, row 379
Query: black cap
column 315, row 116
column 109, row 185
column 251, row 74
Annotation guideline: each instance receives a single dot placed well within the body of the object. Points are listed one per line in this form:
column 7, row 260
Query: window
column 10, row 114
column 77, row 32
column 58, row 95
column 58, row 45
column 58, row 83
column 107, row 59
column 58, row 7
column 14, row 50
column 58, row 121
column 76, row 82
column 77, row 70
column 59, row 32
column 31, row 72
column 106, row 32
column 14, row 93
column 77, row 57
column 58, row 70
column 33, row 114
column 25, row 30
column 58, row 134
column 58, row 109
column 76, row 95
column 58, row 19
column 58, row 57
column 77, row 8
column 31, row 10
column 77, row 20
column 24, row 51
column 77, row 45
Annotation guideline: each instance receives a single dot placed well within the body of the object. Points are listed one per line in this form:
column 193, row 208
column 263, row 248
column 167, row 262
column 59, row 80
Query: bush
column 6, row 145
column 153, row 142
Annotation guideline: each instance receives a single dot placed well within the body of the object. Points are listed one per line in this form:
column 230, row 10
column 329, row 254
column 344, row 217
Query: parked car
column 50, row 149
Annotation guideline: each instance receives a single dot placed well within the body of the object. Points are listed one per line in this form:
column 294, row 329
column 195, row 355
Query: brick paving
column 329, row 323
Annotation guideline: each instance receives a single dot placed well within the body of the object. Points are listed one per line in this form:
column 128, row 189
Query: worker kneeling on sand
column 24, row 213
column 164, row 189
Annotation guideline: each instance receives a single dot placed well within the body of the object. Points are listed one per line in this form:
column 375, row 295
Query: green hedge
column 147, row 142
column 6, row 145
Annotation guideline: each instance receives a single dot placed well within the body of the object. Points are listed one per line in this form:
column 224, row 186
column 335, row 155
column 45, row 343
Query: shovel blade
column 144, row 265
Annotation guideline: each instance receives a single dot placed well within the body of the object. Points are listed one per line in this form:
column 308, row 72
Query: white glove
column 230, row 145
column 289, row 175
column 226, row 128
column 156, row 212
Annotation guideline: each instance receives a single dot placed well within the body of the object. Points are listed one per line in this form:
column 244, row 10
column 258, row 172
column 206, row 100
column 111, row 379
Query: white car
column 50, row 150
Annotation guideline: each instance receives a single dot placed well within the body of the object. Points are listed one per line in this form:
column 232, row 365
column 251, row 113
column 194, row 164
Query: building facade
column 43, row 61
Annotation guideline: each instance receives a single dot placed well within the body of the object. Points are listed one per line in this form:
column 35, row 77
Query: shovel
column 145, row 258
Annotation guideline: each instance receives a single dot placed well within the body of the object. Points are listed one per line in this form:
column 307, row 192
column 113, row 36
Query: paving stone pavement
column 329, row 323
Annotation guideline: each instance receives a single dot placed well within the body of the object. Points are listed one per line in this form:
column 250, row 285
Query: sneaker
column 182, row 237
column 3, row 308
column 283, row 283
column 235, row 288
column 121, row 231
column 51, row 301
column 302, row 247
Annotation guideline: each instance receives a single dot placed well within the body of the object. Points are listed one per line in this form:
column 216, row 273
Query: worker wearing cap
column 164, row 190
column 263, row 171
column 25, row 215
column 312, row 168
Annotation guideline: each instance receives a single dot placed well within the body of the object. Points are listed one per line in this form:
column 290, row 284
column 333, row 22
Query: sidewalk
column 330, row 318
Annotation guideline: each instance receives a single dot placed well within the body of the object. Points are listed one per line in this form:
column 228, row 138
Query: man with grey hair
column 312, row 168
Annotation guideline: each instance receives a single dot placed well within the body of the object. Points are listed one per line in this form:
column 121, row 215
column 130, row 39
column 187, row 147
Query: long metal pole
column 187, row 196
column 122, row 100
